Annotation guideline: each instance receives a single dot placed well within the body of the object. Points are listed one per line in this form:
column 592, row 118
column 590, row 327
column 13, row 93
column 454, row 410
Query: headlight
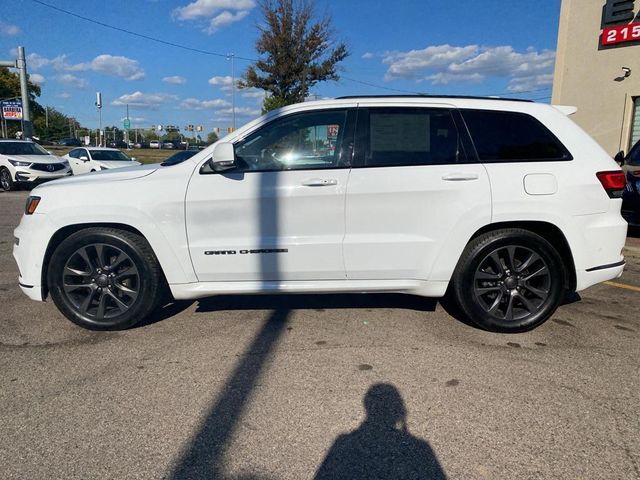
column 31, row 205
column 17, row 163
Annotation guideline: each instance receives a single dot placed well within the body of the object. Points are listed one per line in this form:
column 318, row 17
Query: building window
column 635, row 127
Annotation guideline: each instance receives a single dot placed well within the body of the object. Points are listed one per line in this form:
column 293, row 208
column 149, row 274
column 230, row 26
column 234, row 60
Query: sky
column 458, row 47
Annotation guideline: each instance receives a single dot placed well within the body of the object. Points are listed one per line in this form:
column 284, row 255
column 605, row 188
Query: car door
column 415, row 194
column 74, row 160
column 279, row 214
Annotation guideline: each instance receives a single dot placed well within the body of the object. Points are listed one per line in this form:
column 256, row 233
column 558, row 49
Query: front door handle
column 460, row 177
column 320, row 182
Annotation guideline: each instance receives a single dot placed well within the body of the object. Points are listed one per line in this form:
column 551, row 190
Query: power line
column 226, row 55
column 136, row 34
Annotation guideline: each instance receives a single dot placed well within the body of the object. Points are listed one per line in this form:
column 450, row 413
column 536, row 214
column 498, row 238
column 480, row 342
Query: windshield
column 21, row 148
column 178, row 158
column 109, row 155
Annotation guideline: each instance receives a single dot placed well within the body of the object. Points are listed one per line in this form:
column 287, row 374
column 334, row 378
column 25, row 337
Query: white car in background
column 94, row 159
column 23, row 162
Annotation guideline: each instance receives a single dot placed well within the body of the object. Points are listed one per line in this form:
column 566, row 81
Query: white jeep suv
column 23, row 162
column 502, row 205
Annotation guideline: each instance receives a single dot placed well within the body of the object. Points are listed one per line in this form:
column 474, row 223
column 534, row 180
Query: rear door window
column 512, row 137
column 398, row 137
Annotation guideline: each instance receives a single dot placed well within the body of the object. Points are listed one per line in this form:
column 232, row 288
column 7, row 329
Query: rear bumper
column 601, row 274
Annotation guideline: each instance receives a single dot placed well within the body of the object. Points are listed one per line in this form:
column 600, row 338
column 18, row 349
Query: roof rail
column 463, row 97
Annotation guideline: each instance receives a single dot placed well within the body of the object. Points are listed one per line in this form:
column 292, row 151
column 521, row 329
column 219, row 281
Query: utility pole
column 231, row 56
column 27, row 131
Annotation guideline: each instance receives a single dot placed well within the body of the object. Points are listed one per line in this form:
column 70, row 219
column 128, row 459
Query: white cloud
column 221, row 81
column 116, row 66
column 368, row 56
column 63, row 95
column 253, row 93
column 195, row 104
column 226, row 114
column 37, row 78
column 36, row 62
column 225, row 18
column 217, row 13
column 175, row 80
column 208, row 8
column 71, row 80
column 8, row 30
column 138, row 99
column 134, row 119
column 444, row 64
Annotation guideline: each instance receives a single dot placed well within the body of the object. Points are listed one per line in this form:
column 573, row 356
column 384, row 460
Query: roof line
column 463, row 97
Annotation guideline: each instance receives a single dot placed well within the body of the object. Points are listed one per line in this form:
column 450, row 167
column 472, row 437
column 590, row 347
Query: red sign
column 332, row 130
column 621, row 34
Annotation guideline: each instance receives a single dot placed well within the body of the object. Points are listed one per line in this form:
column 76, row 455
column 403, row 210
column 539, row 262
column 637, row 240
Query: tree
column 10, row 88
column 212, row 138
column 298, row 53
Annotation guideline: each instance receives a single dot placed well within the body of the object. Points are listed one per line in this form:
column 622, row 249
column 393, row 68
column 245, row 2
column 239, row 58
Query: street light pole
column 27, row 132
column 231, row 56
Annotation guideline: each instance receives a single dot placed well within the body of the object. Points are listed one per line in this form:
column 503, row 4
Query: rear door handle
column 460, row 177
column 320, row 182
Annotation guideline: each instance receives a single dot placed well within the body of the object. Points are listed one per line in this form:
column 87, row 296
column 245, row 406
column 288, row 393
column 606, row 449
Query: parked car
column 25, row 163
column 505, row 206
column 141, row 145
column 86, row 160
column 117, row 144
column 631, row 198
column 169, row 145
column 154, row 144
column 179, row 157
column 70, row 142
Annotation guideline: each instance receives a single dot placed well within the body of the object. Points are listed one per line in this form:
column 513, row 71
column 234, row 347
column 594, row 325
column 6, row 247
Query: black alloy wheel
column 105, row 278
column 101, row 281
column 509, row 280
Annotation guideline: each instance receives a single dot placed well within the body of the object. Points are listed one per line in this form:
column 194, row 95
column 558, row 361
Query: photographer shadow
column 381, row 447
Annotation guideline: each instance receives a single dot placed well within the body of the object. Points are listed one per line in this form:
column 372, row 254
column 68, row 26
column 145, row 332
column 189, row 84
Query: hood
column 104, row 176
column 37, row 158
column 109, row 164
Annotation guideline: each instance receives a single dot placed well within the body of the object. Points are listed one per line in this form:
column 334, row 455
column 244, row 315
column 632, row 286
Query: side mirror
column 620, row 158
column 84, row 158
column 224, row 157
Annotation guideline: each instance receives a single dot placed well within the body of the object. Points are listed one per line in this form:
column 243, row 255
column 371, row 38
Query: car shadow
column 316, row 302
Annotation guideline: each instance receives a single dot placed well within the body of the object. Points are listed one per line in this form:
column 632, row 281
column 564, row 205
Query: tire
column 105, row 278
column 6, row 182
column 509, row 281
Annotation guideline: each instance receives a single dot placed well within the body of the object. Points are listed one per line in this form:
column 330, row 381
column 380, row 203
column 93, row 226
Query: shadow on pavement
column 381, row 447
column 316, row 302
column 203, row 457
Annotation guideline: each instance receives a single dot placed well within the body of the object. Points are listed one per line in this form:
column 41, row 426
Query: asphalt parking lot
column 340, row 386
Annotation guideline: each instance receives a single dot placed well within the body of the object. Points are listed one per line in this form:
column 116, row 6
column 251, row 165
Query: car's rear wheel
column 509, row 280
column 105, row 278
column 6, row 182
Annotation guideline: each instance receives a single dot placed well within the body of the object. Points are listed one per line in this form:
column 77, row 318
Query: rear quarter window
column 512, row 137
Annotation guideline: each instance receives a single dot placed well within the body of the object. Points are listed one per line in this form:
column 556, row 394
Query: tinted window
column 75, row 153
column 109, row 155
column 410, row 136
column 21, row 148
column 512, row 136
column 179, row 157
column 296, row 142
column 634, row 155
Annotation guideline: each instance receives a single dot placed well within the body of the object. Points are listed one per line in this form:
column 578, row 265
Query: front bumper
column 31, row 241
column 33, row 177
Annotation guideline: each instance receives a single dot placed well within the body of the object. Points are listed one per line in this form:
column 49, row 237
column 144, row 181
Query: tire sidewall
column 5, row 171
column 465, row 284
column 148, row 284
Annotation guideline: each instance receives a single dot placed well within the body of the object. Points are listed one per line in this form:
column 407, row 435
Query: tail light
column 613, row 182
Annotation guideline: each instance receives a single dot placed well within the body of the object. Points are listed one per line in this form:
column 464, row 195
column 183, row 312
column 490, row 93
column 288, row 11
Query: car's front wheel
column 105, row 278
column 6, row 182
column 509, row 280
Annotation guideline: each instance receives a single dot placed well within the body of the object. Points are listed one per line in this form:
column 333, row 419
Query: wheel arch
column 64, row 232
column 549, row 232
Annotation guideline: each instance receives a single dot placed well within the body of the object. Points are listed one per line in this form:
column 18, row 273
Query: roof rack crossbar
column 462, row 97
